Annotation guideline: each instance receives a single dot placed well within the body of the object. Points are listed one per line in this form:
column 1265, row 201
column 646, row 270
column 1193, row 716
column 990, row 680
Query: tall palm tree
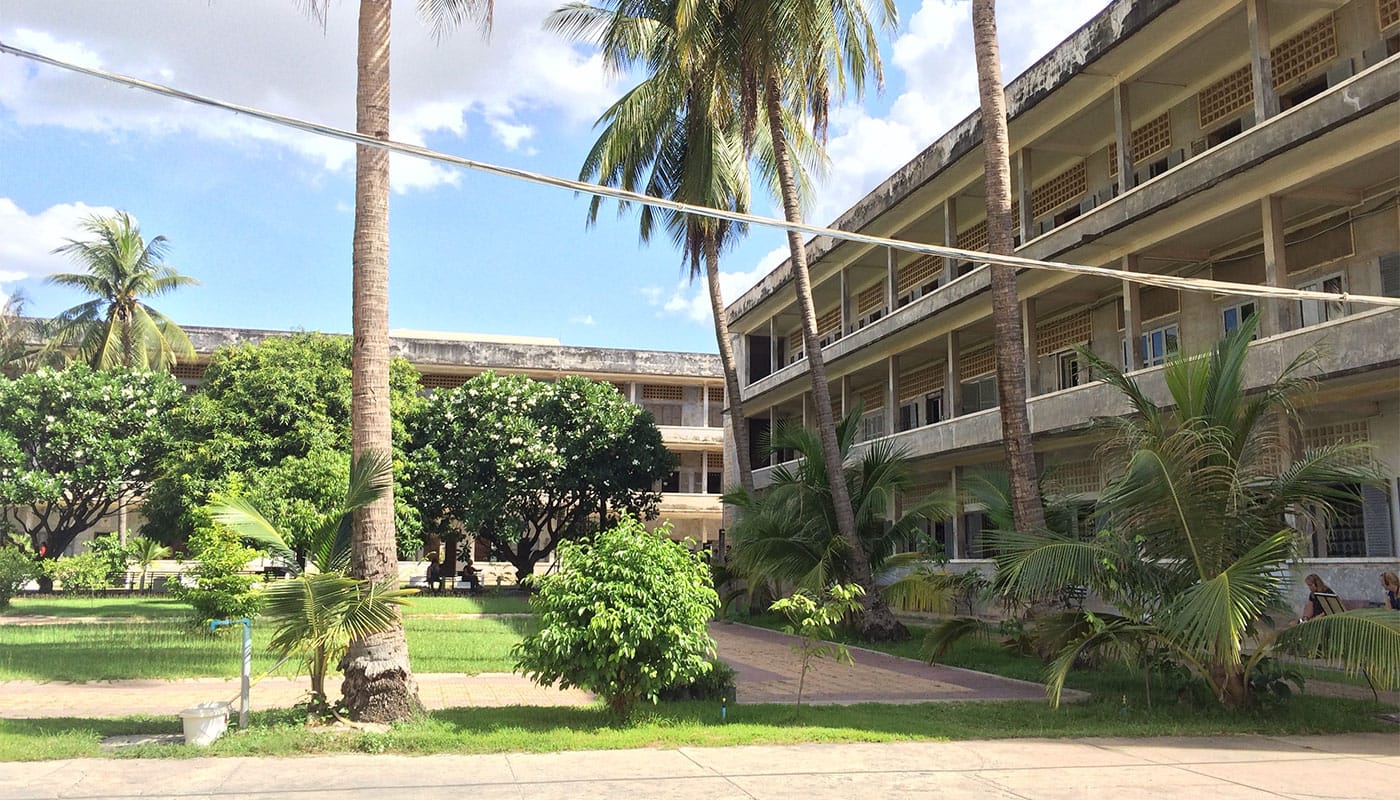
column 676, row 135
column 1199, row 537
column 116, row 328
column 792, row 54
column 22, row 339
column 378, row 683
column 1006, row 308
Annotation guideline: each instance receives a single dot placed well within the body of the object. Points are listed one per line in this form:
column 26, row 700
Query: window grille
column 1148, row 140
column 916, row 383
column 917, row 272
column 1222, row 99
column 872, row 397
column 438, row 380
column 1299, row 54
column 870, row 300
column 1061, row 189
column 1357, row 432
column 189, row 372
column 975, row 238
column 1389, row 11
column 830, row 322
column 978, row 362
column 1078, row 476
column 652, row 391
column 716, row 394
column 1063, row 333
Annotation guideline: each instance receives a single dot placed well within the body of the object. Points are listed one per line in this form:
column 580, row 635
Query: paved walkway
column 766, row 665
column 1353, row 767
column 768, row 672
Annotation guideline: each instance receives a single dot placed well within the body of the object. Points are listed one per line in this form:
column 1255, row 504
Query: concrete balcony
column 691, row 506
column 1361, row 351
column 683, row 437
column 1321, row 134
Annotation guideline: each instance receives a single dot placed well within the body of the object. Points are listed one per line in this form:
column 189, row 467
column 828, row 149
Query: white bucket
column 204, row 723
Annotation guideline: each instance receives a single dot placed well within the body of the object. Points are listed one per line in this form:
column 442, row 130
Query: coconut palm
column 792, row 56
column 144, row 553
column 676, row 135
column 117, row 328
column 1006, row 308
column 789, row 534
column 22, row 339
column 378, row 679
column 318, row 613
column 1198, row 536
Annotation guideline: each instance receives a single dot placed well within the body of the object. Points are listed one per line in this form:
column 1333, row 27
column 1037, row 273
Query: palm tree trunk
column 877, row 622
column 1006, row 308
column 378, row 683
column 738, row 424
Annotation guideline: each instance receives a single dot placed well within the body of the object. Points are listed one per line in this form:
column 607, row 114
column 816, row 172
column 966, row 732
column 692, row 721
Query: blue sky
column 262, row 216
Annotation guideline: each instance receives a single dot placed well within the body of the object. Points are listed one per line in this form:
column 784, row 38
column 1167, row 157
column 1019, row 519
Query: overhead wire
column 942, row 251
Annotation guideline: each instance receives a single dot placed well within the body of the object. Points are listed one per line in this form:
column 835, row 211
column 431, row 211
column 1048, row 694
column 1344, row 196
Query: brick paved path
column 768, row 672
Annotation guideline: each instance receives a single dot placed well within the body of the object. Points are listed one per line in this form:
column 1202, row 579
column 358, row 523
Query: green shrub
column 716, row 684
column 221, row 589
column 624, row 617
column 17, row 567
column 85, row 572
column 114, row 555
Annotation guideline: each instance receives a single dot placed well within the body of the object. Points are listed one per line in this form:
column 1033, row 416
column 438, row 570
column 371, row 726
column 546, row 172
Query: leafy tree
column 789, row 532
column 316, row 614
column 378, row 680
column 271, row 422
column 120, row 270
column 78, row 445
column 222, row 589
column 625, row 617
column 525, row 464
column 114, row 553
column 1006, row 308
column 1197, row 549
column 813, row 616
column 17, row 566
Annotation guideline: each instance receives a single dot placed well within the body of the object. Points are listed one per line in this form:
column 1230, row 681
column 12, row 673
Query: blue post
column 724, row 709
column 247, row 663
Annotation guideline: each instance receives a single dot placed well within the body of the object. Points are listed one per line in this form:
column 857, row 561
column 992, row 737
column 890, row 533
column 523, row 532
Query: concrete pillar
column 950, row 237
column 847, row 318
column 1276, row 313
column 891, row 278
column 955, row 524
column 632, row 391
column 952, row 383
column 892, row 394
column 808, row 413
column 1026, row 223
column 1123, row 136
column 772, row 429
column 773, row 352
column 1132, row 315
column 845, row 397
column 1030, row 340
column 704, row 472
column 1261, row 67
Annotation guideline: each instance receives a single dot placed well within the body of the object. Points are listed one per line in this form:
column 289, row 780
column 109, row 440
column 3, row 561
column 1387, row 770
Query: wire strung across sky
column 957, row 254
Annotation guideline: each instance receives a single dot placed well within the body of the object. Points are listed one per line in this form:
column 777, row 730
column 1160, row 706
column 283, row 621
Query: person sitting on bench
column 469, row 576
column 435, row 576
column 1321, row 599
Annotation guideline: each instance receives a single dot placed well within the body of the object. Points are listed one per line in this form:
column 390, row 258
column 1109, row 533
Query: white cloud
column 27, row 240
column 267, row 54
column 584, row 319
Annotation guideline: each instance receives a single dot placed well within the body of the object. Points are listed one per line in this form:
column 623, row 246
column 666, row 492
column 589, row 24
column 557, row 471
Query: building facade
column 1254, row 141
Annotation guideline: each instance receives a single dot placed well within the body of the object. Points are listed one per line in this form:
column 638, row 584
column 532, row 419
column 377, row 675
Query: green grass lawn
column 157, row 607
column 175, row 649
column 515, row 729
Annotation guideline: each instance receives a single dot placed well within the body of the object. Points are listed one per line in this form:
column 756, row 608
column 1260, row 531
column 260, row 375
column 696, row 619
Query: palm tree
column 1199, row 540
column 789, row 533
column 145, row 552
column 1006, row 308
column 22, row 338
column 378, row 683
column 116, row 328
column 791, row 55
column 317, row 614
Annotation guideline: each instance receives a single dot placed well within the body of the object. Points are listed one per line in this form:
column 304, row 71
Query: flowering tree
column 78, row 445
column 523, row 464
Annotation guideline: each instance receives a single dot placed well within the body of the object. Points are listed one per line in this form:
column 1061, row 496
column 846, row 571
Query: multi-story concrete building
column 1255, row 141
column 683, row 391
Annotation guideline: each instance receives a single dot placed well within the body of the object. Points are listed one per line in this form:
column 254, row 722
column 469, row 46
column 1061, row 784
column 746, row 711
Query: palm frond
column 1364, row 640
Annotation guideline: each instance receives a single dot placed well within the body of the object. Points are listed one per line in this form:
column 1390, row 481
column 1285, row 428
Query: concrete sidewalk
column 1363, row 767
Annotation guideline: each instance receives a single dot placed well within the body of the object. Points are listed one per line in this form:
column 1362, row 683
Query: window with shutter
column 1390, row 275
column 1375, row 514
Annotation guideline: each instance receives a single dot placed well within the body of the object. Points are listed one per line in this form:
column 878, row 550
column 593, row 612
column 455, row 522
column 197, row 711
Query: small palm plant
column 319, row 611
column 145, row 552
column 1197, row 535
